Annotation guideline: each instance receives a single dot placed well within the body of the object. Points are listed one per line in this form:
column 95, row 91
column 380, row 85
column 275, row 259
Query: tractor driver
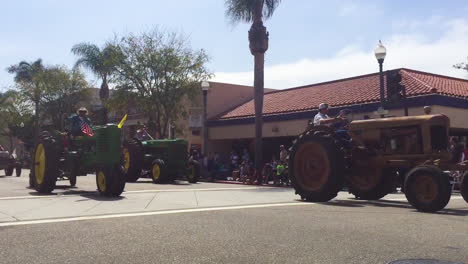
column 322, row 118
column 81, row 124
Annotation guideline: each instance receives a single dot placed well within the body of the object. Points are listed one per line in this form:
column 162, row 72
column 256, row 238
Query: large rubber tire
column 72, row 180
column 45, row 166
column 193, row 171
column 110, row 181
column 9, row 171
column 371, row 182
column 133, row 160
column 427, row 188
column 316, row 166
column 73, row 175
column 464, row 187
column 158, row 172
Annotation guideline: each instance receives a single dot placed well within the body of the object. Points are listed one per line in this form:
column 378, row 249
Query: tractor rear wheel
column 133, row 160
column 110, row 181
column 193, row 173
column 316, row 166
column 45, row 166
column 464, row 187
column 369, row 181
column 427, row 188
column 158, row 172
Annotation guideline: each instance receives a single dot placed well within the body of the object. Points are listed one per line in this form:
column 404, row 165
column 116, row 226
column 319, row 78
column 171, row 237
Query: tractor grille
column 102, row 141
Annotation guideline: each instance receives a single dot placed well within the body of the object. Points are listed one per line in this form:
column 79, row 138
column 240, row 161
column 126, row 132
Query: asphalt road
column 212, row 223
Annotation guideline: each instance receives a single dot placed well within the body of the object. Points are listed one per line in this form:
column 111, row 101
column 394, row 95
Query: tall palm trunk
column 258, row 102
column 258, row 44
column 104, row 95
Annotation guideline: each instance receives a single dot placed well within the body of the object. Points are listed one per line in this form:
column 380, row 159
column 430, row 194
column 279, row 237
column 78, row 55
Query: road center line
column 97, row 217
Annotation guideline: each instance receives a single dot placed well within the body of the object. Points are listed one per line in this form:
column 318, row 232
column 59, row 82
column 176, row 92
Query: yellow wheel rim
column 40, row 163
column 126, row 155
column 101, row 180
column 156, row 171
column 192, row 172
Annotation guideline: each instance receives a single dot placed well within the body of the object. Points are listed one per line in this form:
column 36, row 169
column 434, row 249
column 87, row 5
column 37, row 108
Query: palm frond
column 89, row 57
column 243, row 10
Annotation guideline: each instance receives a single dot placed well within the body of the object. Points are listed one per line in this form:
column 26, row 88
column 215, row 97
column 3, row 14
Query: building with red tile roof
column 357, row 90
column 286, row 112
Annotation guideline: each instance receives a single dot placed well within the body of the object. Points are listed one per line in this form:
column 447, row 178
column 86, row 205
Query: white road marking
column 78, row 193
column 82, row 218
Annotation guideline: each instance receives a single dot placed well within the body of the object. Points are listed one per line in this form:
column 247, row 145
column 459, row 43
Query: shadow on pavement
column 97, row 197
column 391, row 203
column 149, row 181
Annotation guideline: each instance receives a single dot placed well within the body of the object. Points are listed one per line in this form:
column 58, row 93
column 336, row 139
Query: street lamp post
column 380, row 53
column 205, row 87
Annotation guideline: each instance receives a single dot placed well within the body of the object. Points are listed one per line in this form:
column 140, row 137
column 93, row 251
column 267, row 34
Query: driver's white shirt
column 319, row 117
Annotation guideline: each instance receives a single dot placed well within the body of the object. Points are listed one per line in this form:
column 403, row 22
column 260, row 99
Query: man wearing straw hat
column 81, row 124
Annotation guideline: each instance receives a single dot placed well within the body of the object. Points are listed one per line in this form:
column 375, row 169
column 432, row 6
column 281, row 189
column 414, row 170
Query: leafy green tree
column 27, row 78
column 54, row 91
column 254, row 11
column 462, row 66
column 100, row 62
column 158, row 71
column 15, row 116
column 64, row 89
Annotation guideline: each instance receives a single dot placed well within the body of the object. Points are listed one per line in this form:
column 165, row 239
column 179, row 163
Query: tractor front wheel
column 427, row 188
column 110, row 181
column 45, row 166
column 464, row 187
column 158, row 172
column 316, row 166
column 193, row 171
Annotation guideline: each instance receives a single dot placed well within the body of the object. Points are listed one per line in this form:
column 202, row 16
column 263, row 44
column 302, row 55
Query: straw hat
column 82, row 109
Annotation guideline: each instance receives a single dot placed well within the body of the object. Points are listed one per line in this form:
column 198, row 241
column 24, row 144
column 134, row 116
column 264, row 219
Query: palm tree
column 27, row 75
column 253, row 11
column 100, row 62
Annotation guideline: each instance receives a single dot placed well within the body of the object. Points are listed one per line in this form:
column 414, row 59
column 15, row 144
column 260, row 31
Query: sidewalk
column 240, row 183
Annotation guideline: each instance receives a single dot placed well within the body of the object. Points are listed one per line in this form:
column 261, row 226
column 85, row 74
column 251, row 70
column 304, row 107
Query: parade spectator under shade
column 283, row 154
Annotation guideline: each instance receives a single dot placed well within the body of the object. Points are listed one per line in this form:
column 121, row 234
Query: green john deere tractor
column 58, row 155
column 162, row 160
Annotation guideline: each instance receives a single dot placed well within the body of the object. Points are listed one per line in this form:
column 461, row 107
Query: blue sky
column 310, row 41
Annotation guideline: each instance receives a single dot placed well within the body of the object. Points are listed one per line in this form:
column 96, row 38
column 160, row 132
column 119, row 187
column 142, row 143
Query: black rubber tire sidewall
column 335, row 180
column 72, row 180
column 381, row 189
column 443, row 185
column 464, row 187
column 197, row 169
column 163, row 177
column 9, row 171
column 51, row 170
column 136, row 160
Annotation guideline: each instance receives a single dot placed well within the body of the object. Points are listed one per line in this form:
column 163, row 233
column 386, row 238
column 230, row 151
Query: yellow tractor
column 374, row 157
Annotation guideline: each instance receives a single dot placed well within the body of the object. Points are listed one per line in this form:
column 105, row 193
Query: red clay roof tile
column 355, row 90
